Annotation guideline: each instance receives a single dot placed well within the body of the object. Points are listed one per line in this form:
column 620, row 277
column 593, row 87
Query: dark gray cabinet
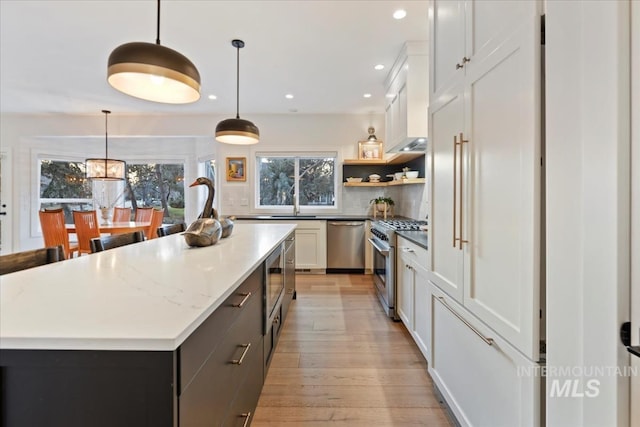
column 220, row 355
column 213, row 378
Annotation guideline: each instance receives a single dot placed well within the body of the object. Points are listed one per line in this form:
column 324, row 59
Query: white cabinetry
column 486, row 163
column 413, row 293
column 407, row 88
column 311, row 242
column 311, row 245
column 485, row 380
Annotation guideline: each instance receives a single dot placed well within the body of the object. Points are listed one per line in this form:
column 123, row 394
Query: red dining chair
column 87, row 228
column 143, row 214
column 156, row 221
column 54, row 231
column 121, row 214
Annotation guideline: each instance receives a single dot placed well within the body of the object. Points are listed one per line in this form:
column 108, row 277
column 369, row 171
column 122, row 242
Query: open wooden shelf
column 393, row 159
column 385, row 184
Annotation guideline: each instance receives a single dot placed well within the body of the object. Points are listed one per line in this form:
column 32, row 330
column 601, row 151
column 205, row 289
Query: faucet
column 296, row 208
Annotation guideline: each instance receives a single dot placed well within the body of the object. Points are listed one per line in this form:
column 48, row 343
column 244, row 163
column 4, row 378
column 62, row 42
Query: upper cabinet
column 407, row 101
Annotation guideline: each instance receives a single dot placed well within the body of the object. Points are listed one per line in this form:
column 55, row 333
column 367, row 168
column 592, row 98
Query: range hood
column 410, row 145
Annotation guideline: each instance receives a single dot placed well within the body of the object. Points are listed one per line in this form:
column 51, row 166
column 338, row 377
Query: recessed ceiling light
column 367, row 95
column 288, row 96
column 379, row 67
column 213, row 97
column 399, row 14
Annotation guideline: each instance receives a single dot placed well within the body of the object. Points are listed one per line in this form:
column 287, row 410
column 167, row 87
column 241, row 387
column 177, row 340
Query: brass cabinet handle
column 455, row 186
column 405, row 249
column 488, row 341
column 244, row 300
column 246, row 417
column 460, row 239
column 244, row 353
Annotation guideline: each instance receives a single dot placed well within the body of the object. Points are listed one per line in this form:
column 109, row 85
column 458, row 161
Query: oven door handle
column 383, row 251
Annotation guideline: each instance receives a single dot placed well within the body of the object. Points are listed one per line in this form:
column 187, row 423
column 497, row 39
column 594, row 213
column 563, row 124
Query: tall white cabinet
column 485, row 223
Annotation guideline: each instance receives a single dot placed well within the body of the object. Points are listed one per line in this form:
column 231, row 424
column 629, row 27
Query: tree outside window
column 311, row 181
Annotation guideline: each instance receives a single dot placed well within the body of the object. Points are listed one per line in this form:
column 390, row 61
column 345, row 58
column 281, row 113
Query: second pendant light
column 237, row 131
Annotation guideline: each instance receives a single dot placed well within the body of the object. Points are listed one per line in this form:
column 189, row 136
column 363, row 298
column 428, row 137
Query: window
column 63, row 185
column 306, row 179
column 160, row 185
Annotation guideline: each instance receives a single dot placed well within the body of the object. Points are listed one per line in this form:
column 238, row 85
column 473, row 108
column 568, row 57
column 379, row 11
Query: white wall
column 188, row 137
column 587, row 153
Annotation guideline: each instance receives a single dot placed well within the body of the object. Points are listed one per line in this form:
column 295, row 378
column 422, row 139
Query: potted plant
column 383, row 204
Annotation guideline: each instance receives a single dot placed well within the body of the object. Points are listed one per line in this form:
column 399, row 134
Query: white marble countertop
column 147, row 296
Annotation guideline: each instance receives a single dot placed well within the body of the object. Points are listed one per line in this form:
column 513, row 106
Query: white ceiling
column 53, row 54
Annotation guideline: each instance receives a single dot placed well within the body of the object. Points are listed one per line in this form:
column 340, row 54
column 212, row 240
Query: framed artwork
column 236, row 168
column 370, row 150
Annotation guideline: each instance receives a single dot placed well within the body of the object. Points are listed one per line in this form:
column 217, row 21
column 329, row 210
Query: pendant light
column 105, row 169
column 237, row 131
column 153, row 72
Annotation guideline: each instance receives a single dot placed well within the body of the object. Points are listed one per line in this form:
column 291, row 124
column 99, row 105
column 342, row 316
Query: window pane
column 317, row 182
column 276, row 181
column 158, row 185
column 63, row 180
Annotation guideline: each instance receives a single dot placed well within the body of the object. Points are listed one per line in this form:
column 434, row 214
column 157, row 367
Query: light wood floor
column 341, row 361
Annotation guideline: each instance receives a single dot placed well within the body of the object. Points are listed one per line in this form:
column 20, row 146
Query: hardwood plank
column 349, row 417
column 340, row 361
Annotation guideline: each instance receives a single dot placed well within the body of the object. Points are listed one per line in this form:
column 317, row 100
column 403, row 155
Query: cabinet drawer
column 409, row 251
column 483, row 384
column 204, row 340
column 206, row 399
column 246, row 399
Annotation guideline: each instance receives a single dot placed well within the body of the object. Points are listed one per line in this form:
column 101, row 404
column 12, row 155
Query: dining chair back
column 121, row 214
column 156, row 221
column 87, row 228
column 143, row 214
column 168, row 229
column 99, row 244
column 18, row 261
column 54, row 231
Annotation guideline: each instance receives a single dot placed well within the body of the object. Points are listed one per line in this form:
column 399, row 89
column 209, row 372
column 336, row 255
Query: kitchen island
column 149, row 334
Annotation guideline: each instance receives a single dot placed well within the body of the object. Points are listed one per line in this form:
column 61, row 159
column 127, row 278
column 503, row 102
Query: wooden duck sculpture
column 207, row 229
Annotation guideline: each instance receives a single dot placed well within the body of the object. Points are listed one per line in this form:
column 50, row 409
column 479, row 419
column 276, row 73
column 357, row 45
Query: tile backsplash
column 410, row 200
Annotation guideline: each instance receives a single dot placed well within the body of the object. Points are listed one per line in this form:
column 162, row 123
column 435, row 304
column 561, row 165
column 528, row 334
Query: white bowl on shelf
column 412, row 174
column 352, row 179
column 374, row 178
column 398, row 175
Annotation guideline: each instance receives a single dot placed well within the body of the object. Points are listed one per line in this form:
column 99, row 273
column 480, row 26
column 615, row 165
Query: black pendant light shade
column 237, row 131
column 153, row 72
column 105, row 169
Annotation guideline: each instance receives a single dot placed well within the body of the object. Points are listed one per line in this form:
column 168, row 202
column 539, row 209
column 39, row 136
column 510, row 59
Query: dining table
column 116, row 227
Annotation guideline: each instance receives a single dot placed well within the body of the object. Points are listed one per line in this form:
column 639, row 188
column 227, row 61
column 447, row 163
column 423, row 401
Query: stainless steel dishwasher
column 345, row 246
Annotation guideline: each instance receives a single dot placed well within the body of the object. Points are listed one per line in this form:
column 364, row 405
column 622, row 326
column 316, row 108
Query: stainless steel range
column 383, row 240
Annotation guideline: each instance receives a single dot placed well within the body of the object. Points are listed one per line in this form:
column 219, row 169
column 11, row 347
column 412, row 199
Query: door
column 6, row 238
column 502, row 178
column 446, row 259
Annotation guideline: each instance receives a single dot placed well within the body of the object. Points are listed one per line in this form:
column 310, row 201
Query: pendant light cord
column 106, row 138
column 158, row 25
column 238, row 83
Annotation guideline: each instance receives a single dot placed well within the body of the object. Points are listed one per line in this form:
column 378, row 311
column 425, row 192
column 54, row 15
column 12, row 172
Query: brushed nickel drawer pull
column 488, row 341
column 244, row 353
column 244, row 300
column 246, row 416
